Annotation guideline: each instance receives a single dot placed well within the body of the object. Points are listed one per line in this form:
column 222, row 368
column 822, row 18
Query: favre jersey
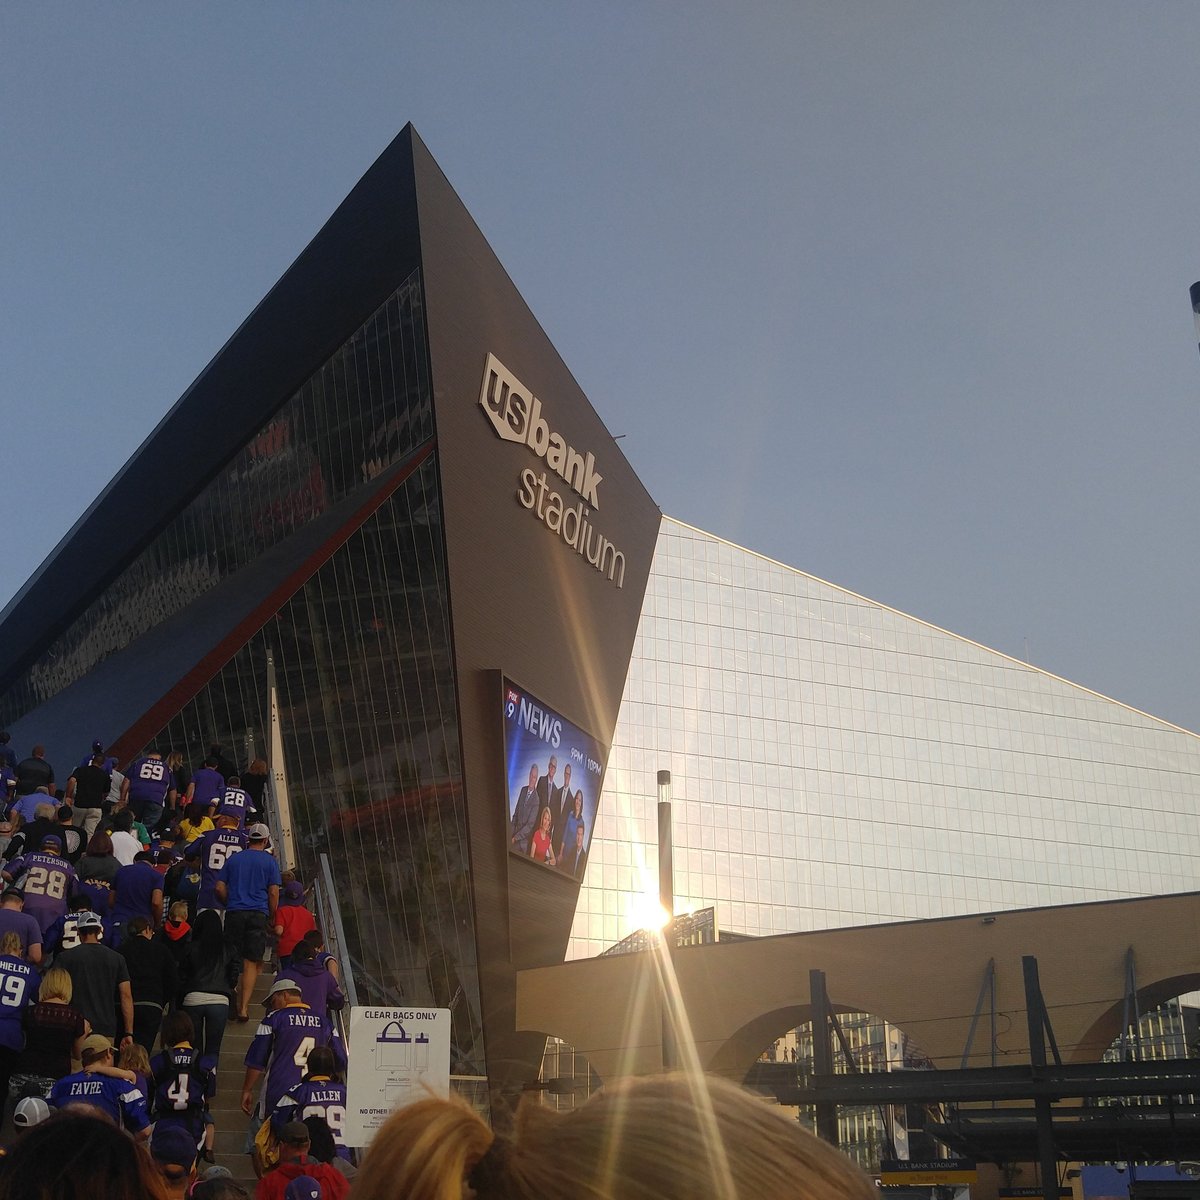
column 183, row 1084
column 282, row 1045
column 217, row 846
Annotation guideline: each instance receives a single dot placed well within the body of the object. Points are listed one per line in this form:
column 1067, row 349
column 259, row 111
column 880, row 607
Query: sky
column 895, row 293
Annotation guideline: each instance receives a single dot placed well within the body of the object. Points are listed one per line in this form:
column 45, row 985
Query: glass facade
column 837, row 763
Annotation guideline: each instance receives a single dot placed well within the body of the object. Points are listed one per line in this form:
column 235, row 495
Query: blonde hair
column 178, row 911
column 661, row 1138
column 10, row 944
column 134, row 1058
column 56, row 985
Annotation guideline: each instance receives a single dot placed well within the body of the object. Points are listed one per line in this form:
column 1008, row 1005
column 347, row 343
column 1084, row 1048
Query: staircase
column 229, row 1149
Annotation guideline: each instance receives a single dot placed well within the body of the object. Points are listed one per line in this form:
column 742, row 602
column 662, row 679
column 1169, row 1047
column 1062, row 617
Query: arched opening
column 1147, row 1025
column 868, row 1044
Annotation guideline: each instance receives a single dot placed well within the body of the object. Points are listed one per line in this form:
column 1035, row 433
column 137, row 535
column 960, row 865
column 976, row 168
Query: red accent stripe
column 149, row 724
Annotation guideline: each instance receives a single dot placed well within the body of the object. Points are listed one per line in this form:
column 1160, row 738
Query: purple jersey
column 282, row 1044
column 234, row 804
column 217, row 846
column 184, row 1083
column 18, row 988
column 121, row 1100
column 47, row 881
column 320, row 1097
column 149, row 782
column 133, row 893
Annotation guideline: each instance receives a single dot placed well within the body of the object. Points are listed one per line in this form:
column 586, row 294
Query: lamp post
column 666, row 897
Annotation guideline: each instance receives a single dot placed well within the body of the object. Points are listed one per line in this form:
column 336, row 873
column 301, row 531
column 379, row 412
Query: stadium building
column 487, row 641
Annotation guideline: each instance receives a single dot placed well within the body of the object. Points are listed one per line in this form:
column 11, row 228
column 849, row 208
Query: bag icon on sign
column 393, row 1048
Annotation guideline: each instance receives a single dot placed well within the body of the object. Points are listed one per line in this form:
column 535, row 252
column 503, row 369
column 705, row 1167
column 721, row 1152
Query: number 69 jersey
column 282, row 1045
column 217, row 846
column 317, row 1096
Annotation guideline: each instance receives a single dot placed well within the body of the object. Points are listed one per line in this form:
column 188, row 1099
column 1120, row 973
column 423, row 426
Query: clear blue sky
column 896, row 293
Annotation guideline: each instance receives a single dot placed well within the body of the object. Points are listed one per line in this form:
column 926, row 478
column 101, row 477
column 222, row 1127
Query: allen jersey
column 150, row 780
column 282, row 1044
column 321, row 1097
column 217, row 846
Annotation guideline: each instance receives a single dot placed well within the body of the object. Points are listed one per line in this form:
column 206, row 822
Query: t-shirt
column 26, row 806
column 126, row 847
column 217, row 847
column 92, row 786
column 248, row 875
column 33, row 773
column 234, row 803
column 207, row 785
column 121, row 1100
column 18, row 989
column 96, row 972
column 133, row 891
column 190, row 832
column 282, row 1044
column 23, row 924
column 150, row 780
column 47, row 880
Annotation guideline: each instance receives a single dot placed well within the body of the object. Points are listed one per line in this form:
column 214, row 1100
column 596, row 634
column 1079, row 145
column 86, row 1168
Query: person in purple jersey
column 149, row 788
column 236, row 801
column 137, row 891
column 117, row 1098
column 18, row 989
column 13, row 919
column 288, row 1034
column 183, row 1082
column 217, row 846
column 208, row 784
column 47, row 880
column 321, row 1094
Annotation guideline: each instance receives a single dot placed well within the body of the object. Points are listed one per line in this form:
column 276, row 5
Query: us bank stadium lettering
column 515, row 413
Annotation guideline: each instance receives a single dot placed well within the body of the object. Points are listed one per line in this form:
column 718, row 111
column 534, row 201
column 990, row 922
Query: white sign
column 397, row 1056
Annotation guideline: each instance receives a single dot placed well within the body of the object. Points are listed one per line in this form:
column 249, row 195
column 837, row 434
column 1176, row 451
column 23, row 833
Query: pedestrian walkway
column 230, row 1147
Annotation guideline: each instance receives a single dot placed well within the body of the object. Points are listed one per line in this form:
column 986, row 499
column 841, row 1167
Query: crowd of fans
column 138, row 906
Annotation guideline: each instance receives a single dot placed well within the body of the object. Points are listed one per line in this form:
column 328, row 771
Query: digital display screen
column 553, row 771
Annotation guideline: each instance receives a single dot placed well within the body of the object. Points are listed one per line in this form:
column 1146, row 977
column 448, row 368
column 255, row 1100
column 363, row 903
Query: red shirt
column 273, row 1185
column 296, row 921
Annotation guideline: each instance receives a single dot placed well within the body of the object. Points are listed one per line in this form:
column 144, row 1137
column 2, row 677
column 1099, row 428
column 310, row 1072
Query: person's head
column 89, row 926
column 30, row 1111
column 663, row 1137
column 177, row 1028
column 234, row 781
column 51, row 844
column 45, row 810
column 579, row 836
column 195, row 812
column 283, row 993
column 303, row 951
column 97, row 1051
column 315, row 938
column 100, row 845
column 178, row 912
column 293, row 893
column 122, row 822
column 321, row 1144
column 13, row 897
column 77, row 1152
column 146, row 856
column 567, row 777
column 79, row 903
column 138, row 927
column 551, row 767
column 10, row 945
column 227, row 820
column 219, row 1187
column 303, row 1187
column 533, row 774
column 209, row 934
column 320, row 1063
column 56, row 985
column 175, row 760
column 545, row 820
column 174, row 1153
column 39, row 752
column 293, row 1142
column 210, row 762
column 258, row 836
column 578, row 805
column 133, row 1057
column 168, row 836
column 257, row 767
column 98, row 761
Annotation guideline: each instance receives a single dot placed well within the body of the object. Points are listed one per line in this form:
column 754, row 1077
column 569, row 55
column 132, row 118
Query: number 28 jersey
column 217, row 846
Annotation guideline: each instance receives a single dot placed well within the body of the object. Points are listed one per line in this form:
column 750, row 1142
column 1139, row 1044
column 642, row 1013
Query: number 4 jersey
column 282, row 1045
column 183, row 1085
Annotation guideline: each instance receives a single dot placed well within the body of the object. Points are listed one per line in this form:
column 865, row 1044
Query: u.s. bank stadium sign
column 516, row 415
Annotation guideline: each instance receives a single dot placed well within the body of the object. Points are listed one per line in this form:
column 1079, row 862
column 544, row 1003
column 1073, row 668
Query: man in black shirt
column 86, row 792
column 34, row 772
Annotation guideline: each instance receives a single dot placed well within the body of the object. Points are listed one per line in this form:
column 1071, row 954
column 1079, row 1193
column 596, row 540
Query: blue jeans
column 210, row 1021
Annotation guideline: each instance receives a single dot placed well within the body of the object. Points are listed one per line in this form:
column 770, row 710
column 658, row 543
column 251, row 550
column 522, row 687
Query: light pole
column 666, row 898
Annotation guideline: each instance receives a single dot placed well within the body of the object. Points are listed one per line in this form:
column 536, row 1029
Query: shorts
column 247, row 932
